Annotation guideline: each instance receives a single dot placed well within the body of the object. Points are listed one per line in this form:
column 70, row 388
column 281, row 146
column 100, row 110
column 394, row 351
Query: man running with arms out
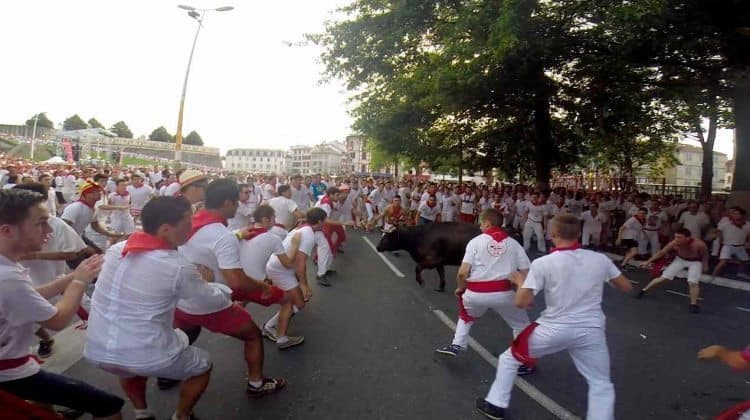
column 23, row 230
column 490, row 259
column 130, row 331
column 573, row 281
column 293, row 279
column 691, row 254
column 213, row 245
column 394, row 215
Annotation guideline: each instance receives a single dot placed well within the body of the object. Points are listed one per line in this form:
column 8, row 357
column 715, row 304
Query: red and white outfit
column 139, row 196
column 534, row 226
column 283, row 209
column 468, row 202
column 283, row 277
column 733, row 238
column 592, row 227
column 279, row 230
column 121, row 220
column 324, row 238
column 572, row 280
column 493, row 257
column 243, row 217
column 256, row 251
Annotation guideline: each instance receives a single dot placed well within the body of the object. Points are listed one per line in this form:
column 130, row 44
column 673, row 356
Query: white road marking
column 535, row 394
column 744, row 309
column 681, row 294
column 390, row 265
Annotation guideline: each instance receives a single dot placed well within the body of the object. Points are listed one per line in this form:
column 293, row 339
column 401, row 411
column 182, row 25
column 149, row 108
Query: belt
column 8, row 364
column 535, row 221
column 690, row 259
column 489, row 286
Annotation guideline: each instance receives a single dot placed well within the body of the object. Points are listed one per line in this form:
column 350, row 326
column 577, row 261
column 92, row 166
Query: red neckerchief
column 87, row 204
column 253, row 232
column 573, row 247
column 498, row 234
column 204, row 218
column 326, row 200
column 142, row 242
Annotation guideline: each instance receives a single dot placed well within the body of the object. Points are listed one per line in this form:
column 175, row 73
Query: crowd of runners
column 173, row 252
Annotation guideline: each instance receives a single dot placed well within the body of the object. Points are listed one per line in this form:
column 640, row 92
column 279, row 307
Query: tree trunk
column 543, row 146
column 460, row 160
column 707, row 144
column 395, row 168
column 741, row 181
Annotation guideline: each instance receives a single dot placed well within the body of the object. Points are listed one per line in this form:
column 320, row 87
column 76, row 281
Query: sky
column 125, row 60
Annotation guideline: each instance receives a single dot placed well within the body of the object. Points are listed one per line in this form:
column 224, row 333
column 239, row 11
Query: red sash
column 7, row 364
column 734, row 413
column 491, row 286
column 520, row 346
column 142, row 242
column 252, row 233
column 204, row 218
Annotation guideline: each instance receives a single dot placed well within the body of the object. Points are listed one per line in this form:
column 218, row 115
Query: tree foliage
column 122, row 130
column 94, row 123
column 75, row 122
column 161, row 134
column 41, row 121
column 193, row 138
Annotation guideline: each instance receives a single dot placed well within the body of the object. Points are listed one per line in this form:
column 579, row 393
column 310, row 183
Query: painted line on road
column 390, row 265
column 744, row 309
column 534, row 393
column 680, row 293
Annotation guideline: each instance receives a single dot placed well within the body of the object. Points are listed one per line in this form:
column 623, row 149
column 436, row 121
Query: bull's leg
column 441, row 273
column 418, row 271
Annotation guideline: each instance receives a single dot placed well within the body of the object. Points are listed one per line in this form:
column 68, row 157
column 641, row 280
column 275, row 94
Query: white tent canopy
column 55, row 160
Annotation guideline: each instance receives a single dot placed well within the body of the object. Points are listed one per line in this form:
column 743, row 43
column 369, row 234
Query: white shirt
column 132, row 309
column 427, row 212
column 243, row 215
column 62, row 239
column 492, row 260
column 21, row 308
column 255, row 253
column 695, row 223
column 139, row 196
column 307, row 242
column 536, row 212
column 654, row 220
column 731, row 234
column 633, row 229
column 172, row 189
column 216, row 247
column 328, row 208
column 467, row 203
column 572, row 282
column 593, row 223
column 79, row 215
column 279, row 231
column 69, row 186
column 284, row 209
column 59, row 180
column 301, row 196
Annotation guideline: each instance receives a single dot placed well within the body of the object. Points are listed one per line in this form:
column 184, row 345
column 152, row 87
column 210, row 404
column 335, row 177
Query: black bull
column 433, row 245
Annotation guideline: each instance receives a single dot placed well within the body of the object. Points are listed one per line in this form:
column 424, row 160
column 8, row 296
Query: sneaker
column 694, row 309
column 270, row 333
column 323, row 281
column 489, row 410
column 291, row 341
column 164, row 383
column 45, row 348
column 525, row 370
column 450, row 350
column 269, row 386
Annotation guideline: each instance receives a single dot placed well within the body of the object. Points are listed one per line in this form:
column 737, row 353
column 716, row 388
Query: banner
column 68, row 150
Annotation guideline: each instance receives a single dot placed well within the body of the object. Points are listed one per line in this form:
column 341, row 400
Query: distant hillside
column 42, row 152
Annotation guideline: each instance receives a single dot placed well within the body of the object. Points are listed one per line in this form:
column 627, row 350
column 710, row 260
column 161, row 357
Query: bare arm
column 287, row 260
column 731, row 358
column 621, row 283
column 463, row 274
column 670, row 246
column 72, row 287
column 236, row 279
column 100, row 229
column 51, row 256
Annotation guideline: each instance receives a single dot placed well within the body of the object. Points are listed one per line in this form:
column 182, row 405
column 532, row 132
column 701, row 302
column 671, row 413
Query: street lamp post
column 33, row 136
column 198, row 15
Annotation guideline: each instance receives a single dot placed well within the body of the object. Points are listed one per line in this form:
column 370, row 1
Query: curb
column 705, row 278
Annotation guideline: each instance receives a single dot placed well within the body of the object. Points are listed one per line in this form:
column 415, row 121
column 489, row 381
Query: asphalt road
column 369, row 354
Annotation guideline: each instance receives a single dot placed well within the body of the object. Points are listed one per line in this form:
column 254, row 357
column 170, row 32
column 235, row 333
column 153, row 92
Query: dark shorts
column 630, row 243
column 51, row 388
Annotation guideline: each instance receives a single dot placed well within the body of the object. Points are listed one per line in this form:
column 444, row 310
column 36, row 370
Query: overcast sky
column 118, row 60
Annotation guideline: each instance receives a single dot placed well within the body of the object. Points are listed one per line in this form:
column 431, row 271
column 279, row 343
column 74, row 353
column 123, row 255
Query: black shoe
column 640, row 294
column 525, row 370
column 489, row 410
column 45, row 348
column 323, row 281
column 164, row 383
column 340, row 251
column 694, row 309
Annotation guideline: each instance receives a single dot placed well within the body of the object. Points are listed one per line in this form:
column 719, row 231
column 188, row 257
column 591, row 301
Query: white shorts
column 192, row 361
column 283, row 279
column 729, row 252
column 694, row 270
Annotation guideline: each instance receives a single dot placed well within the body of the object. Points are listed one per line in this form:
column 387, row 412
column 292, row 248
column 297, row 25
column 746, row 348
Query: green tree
column 42, row 121
column 94, row 123
column 161, row 134
column 75, row 122
column 122, row 130
column 193, row 138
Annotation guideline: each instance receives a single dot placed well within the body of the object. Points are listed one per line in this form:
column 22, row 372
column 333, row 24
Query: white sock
column 142, row 414
column 294, row 309
column 255, row 384
column 274, row 321
column 282, row 339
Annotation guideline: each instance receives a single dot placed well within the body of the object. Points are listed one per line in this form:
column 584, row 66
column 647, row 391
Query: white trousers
column 325, row 256
column 588, row 349
column 537, row 230
column 477, row 304
column 591, row 235
column 652, row 239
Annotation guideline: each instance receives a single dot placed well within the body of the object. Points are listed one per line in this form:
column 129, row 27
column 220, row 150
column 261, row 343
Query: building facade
column 256, row 160
column 359, row 156
column 688, row 172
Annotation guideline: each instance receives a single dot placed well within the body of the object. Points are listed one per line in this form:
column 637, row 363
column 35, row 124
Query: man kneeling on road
column 573, row 281
column 483, row 282
column 692, row 254
column 130, row 331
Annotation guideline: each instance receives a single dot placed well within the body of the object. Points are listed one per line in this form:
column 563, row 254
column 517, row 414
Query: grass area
column 42, row 152
column 7, row 144
column 135, row 161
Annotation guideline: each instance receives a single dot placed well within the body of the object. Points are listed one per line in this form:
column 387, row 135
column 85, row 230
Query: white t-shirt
column 328, row 208
column 172, row 189
column 139, row 196
column 731, row 234
column 284, row 209
column 633, row 229
column 69, row 187
column 429, row 213
column 593, row 223
column 536, row 212
column 467, row 203
column 307, row 242
column 21, row 308
column 573, row 282
column 132, row 309
column 216, row 247
column 301, row 196
column 492, row 260
column 243, row 215
column 255, row 254
column 654, row 220
column 279, row 231
column 51, row 202
column 59, row 180
column 62, row 239
column 695, row 223
column 79, row 215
